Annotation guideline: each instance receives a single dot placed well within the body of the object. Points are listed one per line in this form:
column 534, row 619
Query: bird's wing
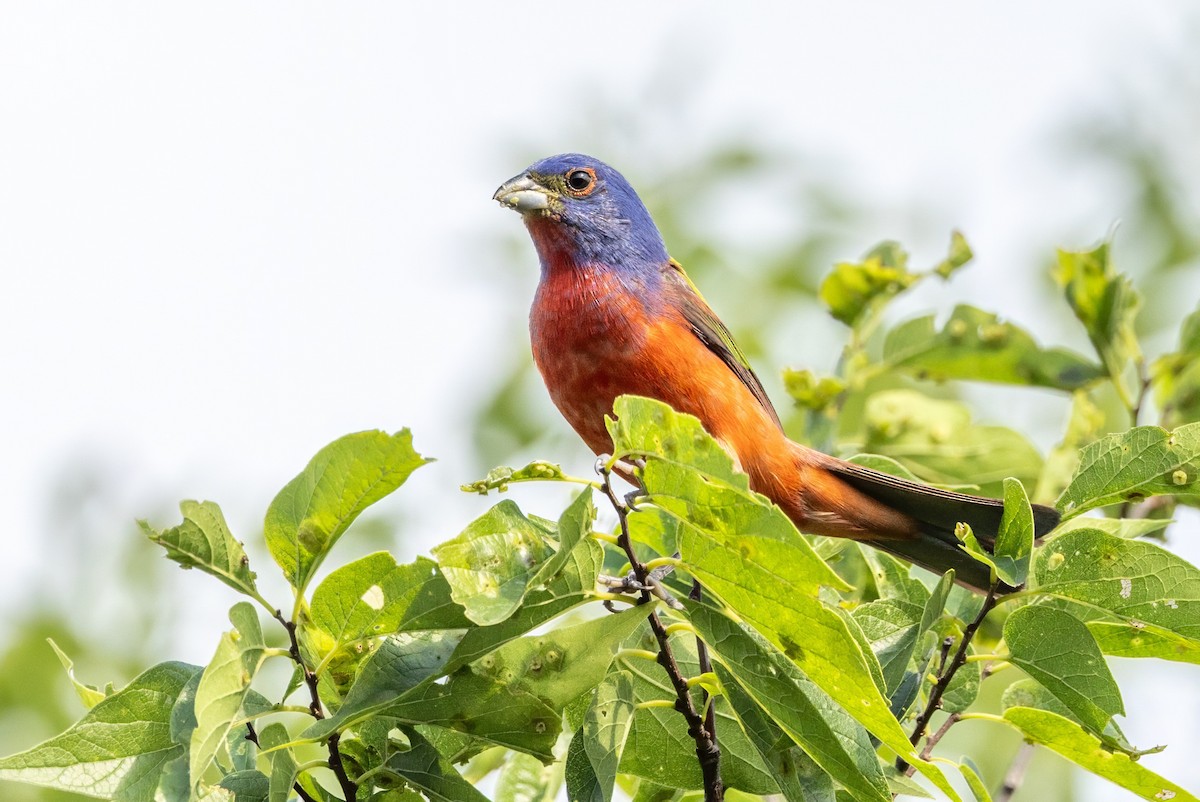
column 709, row 329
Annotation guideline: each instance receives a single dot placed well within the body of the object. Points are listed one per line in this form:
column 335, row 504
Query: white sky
column 231, row 232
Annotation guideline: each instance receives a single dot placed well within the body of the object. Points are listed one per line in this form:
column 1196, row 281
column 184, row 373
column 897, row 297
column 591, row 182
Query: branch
column 945, row 675
column 1016, row 772
column 707, row 751
column 349, row 788
column 252, row 737
column 710, row 714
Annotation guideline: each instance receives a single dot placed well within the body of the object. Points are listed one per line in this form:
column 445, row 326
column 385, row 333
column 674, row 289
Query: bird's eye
column 581, row 181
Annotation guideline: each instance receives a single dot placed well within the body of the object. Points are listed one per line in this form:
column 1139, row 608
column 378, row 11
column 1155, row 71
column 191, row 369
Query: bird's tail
column 936, row 514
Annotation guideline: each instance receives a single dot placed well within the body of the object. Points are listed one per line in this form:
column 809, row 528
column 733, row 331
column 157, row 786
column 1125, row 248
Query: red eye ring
column 580, row 181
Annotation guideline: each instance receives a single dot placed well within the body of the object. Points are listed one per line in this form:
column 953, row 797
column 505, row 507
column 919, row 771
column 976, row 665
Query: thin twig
column 710, row 715
column 1135, row 411
column 1016, row 773
column 252, row 737
column 946, row 675
column 932, row 740
column 349, row 788
column 707, row 751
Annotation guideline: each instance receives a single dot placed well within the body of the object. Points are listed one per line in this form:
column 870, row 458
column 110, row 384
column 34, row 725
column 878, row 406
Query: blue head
column 581, row 211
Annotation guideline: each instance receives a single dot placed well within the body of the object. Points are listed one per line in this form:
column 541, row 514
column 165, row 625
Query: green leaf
column 1105, row 303
column 1014, row 541
column 937, row 601
column 812, row 392
column 1134, row 579
column 937, row 440
column 1068, row 739
column 1056, row 649
column 500, row 478
column 572, row 586
column 424, row 768
column 595, row 751
column 798, row 776
column 963, row 689
column 515, row 695
column 1128, row 528
column 892, row 628
column 373, row 597
column 203, row 541
column 401, row 663
column 1028, row 693
column 1176, row 377
column 957, row 257
column 754, row 577
column 90, row 695
column 345, row 477
column 573, row 526
column 283, row 764
column 659, row 749
column 243, row 754
column 119, row 749
column 851, row 289
column 691, row 477
column 970, row 773
column 803, row 709
column 493, row 562
column 975, row 345
column 524, row 778
column 1128, row 640
column 224, row 685
column 247, row 785
column 644, row 427
column 893, row 578
column 1142, row 462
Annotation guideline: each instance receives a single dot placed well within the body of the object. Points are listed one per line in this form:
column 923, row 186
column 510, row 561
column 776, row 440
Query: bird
column 614, row 314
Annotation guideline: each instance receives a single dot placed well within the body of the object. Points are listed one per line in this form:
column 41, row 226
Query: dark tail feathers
column 938, row 512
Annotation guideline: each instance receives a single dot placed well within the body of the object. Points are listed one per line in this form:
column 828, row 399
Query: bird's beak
column 521, row 193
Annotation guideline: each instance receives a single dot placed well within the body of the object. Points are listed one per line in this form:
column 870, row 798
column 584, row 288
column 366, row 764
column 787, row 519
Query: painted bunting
column 614, row 315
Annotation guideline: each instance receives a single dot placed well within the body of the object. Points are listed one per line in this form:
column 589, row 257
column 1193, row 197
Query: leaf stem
column 932, row 740
column 653, row 703
column 992, row 717
column 700, row 727
column 641, row 654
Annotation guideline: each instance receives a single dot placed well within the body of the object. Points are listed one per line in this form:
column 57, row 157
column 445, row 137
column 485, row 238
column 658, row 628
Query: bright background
column 231, row 232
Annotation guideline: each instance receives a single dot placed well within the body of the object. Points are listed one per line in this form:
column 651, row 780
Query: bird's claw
column 622, row 466
column 653, row 584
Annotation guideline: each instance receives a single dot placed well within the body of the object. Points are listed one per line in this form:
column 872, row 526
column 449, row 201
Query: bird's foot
column 653, row 584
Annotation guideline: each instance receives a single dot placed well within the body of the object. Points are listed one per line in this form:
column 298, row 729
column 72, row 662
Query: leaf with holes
column 1134, row 579
column 492, row 563
column 975, row 345
column 1134, row 465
